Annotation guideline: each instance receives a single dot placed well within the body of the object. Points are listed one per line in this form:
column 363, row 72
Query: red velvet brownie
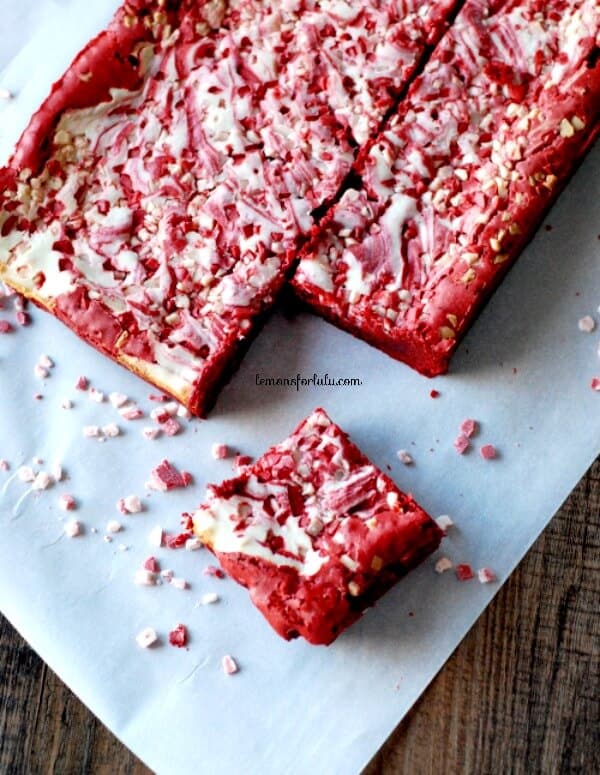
column 460, row 178
column 314, row 531
column 155, row 201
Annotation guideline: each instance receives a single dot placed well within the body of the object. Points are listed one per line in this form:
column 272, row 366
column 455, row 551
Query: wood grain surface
column 519, row 695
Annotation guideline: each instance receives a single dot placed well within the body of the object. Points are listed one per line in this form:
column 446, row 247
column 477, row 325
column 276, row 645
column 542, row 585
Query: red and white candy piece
column 130, row 504
column 178, row 636
column 488, row 452
column 486, row 575
column 66, row 502
column 73, row 528
column 146, row 638
column 229, row 665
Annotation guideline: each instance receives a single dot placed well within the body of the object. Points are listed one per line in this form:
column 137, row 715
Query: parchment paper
column 523, row 372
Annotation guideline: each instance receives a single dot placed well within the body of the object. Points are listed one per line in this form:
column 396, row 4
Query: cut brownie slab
column 461, row 177
column 155, row 201
column 314, row 531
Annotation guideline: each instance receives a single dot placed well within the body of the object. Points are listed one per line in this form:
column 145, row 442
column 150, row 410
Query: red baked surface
column 156, row 201
column 460, row 178
column 314, row 531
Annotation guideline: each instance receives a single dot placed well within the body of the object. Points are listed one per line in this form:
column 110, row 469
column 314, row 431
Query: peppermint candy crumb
column 443, row 564
column 42, row 481
column 73, row 528
column 486, row 575
column 156, row 536
column 209, row 598
column 179, row 583
column 117, row 400
column 166, row 477
column 131, row 504
column 193, row 544
column 82, row 383
column 464, row 572
column 219, row 451
column 444, row 522
column 587, row 324
column 146, row 638
column 461, row 444
column 151, row 433
column 469, row 428
column 92, row 431
column 25, row 474
column 111, row 430
column 178, row 636
column 151, row 564
column 404, row 457
column 230, row 666
column 144, row 578
column 488, row 452
column 66, row 502
column 114, row 526
column 4, row 465
column 5, row 94
column 595, row 383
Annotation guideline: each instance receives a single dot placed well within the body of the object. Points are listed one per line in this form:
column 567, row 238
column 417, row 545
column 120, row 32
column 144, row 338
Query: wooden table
column 520, row 694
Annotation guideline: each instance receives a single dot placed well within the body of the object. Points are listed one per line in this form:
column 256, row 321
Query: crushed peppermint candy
column 587, row 324
column 230, row 666
column 208, row 598
column 461, row 444
column 131, row 413
column 156, row 536
column 73, row 528
column 595, row 383
column 5, row 327
column 4, row 465
column 114, row 526
column 464, row 572
column 151, row 433
column 151, row 564
column 144, row 578
column 178, row 636
column 97, row 396
column 111, row 430
column 488, row 452
column 193, row 544
column 40, row 372
column 443, row 564
column 117, row 400
column 25, row 474
column 146, row 638
column 219, row 451
column 179, row 583
column 167, row 574
column 166, row 477
column 171, row 427
column 404, row 457
column 66, row 502
column 92, row 431
column 66, row 403
column 469, row 428
column 444, row 522
column 159, row 414
column 131, row 504
column 42, row 481
column 82, row 383
column 56, row 470
column 22, row 318
column 212, row 570
column 486, row 575
column 46, row 362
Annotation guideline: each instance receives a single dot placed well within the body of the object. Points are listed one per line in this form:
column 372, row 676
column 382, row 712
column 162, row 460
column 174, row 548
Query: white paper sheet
column 524, row 372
